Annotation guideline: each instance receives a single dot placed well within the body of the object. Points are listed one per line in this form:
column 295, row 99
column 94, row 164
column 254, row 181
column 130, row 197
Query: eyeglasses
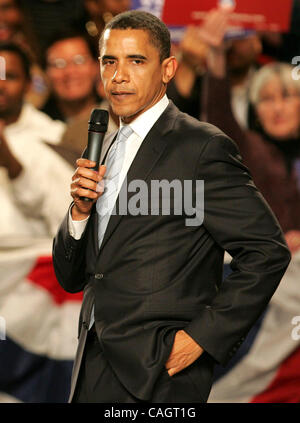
column 60, row 63
column 270, row 100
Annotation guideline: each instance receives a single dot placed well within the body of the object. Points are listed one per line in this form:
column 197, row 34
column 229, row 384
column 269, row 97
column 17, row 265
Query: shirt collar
column 144, row 122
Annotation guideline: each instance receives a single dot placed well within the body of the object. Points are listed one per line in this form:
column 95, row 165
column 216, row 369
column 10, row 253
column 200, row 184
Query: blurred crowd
column 246, row 83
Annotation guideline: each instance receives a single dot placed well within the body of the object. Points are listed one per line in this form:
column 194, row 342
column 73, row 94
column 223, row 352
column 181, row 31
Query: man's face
column 71, row 69
column 10, row 19
column 133, row 77
column 14, row 87
column 243, row 53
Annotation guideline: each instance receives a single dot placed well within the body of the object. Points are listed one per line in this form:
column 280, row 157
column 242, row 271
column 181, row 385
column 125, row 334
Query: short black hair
column 11, row 47
column 135, row 19
column 68, row 34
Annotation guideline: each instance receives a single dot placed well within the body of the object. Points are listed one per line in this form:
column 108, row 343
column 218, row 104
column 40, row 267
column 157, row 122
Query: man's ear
column 169, row 67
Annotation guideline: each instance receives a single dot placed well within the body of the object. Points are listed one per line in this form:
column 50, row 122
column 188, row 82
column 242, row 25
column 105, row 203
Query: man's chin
column 123, row 114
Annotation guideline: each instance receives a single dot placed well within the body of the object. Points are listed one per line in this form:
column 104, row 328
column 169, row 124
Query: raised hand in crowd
column 195, row 49
column 212, row 33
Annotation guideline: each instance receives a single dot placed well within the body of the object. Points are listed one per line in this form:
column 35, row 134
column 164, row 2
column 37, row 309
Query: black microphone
column 96, row 130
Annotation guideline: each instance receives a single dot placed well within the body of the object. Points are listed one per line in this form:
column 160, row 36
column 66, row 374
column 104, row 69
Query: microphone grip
column 93, row 151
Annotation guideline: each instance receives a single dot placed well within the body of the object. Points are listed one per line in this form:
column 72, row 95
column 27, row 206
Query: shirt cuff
column 76, row 227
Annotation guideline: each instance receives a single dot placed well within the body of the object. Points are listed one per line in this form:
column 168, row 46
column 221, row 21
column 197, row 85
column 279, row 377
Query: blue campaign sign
column 152, row 6
column 156, row 7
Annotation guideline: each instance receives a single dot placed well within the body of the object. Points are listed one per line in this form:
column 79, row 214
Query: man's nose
column 121, row 74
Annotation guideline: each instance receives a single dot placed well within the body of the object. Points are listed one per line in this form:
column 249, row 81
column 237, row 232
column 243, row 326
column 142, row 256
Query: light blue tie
column 115, row 159
column 106, row 201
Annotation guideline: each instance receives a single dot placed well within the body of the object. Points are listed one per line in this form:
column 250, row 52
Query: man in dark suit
column 156, row 315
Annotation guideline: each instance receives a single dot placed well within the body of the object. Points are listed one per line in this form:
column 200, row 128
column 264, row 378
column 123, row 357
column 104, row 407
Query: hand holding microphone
column 87, row 176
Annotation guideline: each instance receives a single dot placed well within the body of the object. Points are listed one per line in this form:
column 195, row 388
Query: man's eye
column 137, row 61
column 108, row 62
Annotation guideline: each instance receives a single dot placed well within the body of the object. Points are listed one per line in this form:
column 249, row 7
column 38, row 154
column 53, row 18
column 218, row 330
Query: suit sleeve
column 240, row 221
column 69, row 258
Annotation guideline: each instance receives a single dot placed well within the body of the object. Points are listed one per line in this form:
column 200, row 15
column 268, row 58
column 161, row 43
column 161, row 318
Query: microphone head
column 98, row 120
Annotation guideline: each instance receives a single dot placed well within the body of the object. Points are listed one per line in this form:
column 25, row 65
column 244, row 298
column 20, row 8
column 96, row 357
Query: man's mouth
column 121, row 94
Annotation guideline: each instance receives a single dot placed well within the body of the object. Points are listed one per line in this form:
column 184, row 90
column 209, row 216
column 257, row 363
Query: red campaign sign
column 271, row 15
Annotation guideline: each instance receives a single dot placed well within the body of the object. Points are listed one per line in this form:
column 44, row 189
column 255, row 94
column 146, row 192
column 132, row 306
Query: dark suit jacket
column 154, row 275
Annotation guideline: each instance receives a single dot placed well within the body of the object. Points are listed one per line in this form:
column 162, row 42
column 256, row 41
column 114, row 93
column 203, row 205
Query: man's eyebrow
column 130, row 56
column 137, row 56
column 107, row 57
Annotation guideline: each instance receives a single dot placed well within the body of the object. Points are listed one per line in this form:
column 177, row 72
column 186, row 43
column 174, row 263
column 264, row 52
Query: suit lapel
column 147, row 156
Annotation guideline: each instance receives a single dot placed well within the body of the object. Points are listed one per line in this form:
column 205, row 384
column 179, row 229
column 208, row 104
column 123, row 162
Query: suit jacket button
column 99, row 275
column 68, row 255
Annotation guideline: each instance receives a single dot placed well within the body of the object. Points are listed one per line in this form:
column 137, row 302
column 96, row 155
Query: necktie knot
column 124, row 132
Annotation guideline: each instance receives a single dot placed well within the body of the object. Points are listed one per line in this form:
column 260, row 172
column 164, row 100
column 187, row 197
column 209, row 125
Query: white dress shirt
column 141, row 126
